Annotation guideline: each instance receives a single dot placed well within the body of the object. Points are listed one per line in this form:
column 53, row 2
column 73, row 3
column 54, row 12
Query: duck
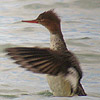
column 61, row 66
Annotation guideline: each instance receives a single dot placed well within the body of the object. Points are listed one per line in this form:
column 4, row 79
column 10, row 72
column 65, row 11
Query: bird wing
column 39, row 60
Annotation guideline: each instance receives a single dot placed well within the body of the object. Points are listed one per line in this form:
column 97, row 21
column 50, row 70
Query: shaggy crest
column 51, row 15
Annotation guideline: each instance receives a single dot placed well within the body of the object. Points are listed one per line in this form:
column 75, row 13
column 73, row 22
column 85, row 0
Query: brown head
column 49, row 19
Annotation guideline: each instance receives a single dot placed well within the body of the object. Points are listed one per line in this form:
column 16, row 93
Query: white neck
column 57, row 42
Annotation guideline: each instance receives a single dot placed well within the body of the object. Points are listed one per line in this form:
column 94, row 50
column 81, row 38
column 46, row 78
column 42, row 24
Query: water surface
column 81, row 29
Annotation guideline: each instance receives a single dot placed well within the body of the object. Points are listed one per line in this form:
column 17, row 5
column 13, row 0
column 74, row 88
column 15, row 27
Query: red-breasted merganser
column 61, row 66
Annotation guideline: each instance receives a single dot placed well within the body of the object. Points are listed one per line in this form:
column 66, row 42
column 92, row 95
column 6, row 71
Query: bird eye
column 40, row 18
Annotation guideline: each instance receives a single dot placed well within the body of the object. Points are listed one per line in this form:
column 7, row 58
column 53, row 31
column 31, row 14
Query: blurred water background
column 81, row 29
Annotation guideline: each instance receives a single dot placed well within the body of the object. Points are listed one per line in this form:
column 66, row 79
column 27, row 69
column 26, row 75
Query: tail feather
column 80, row 91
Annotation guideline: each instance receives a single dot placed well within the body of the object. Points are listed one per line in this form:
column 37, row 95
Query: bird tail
column 80, row 91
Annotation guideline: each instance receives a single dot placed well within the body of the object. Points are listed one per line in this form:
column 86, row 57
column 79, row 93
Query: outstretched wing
column 46, row 61
column 39, row 60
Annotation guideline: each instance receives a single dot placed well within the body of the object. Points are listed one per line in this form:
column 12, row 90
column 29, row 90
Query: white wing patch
column 72, row 77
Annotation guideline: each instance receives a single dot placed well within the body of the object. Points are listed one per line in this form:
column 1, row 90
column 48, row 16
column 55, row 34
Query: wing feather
column 42, row 60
